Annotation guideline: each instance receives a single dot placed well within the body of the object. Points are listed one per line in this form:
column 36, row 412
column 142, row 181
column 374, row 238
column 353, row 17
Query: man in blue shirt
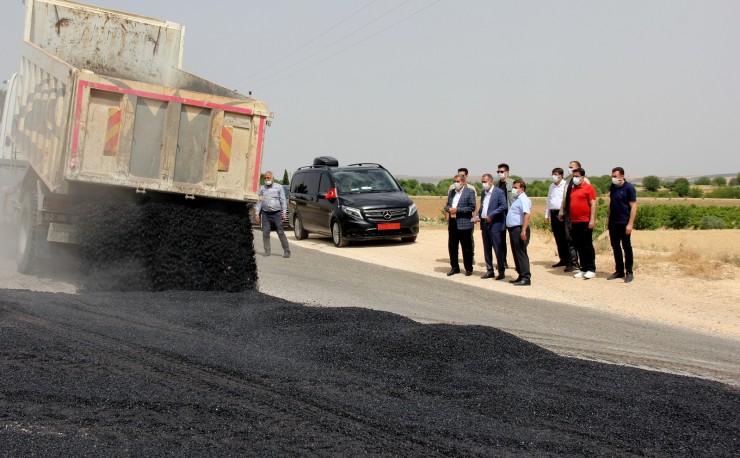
column 620, row 220
column 517, row 222
column 270, row 211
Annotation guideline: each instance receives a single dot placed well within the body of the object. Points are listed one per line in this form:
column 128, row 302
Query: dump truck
column 100, row 106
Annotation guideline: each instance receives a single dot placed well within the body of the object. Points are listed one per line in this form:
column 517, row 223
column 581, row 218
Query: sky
column 426, row 86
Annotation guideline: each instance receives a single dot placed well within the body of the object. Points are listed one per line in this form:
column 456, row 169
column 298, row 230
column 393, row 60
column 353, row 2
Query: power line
column 346, row 48
column 308, row 42
column 331, row 44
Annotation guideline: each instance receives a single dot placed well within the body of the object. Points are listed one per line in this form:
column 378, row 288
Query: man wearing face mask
column 272, row 210
column 564, row 216
column 492, row 217
column 504, row 184
column 620, row 220
column 464, row 172
column 582, row 208
column 460, row 206
column 517, row 222
column 552, row 209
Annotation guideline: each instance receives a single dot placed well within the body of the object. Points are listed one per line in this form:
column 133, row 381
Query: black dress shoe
column 522, row 282
column 615, row 275
column 515, row 280
column 488, row 275
column 560, row 264
column 453, row 272
column 570, row 268
column 468, row 273
column 500, row 276
column 629, row 277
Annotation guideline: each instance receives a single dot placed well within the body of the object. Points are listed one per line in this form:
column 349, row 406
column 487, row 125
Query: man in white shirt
column 552, row 207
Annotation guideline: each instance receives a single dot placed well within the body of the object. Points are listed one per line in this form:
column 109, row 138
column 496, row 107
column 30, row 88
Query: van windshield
column 360, row 181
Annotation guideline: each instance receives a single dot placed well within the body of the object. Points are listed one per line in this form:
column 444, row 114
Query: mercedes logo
column 387, row 214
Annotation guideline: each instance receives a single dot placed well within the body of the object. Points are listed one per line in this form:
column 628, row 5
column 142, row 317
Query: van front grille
column 384, row 215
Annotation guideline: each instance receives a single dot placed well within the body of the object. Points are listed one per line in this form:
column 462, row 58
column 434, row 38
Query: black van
column 353, row 202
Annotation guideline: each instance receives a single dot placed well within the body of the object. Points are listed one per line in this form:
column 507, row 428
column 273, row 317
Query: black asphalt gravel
column 164, row 244
column 230, row 374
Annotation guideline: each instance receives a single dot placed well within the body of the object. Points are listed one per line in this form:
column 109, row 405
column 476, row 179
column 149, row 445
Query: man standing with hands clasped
column 517, row 222
column 620, row 219
column 492, row 217
column 582, row 207
column 460, row 206
column 272, row 210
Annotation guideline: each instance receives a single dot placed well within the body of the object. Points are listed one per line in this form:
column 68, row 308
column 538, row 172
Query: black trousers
column 463, row 238
column 572, row 251
column 584, row 244
column 519, row 249
column 558, row 231
column 618, row 236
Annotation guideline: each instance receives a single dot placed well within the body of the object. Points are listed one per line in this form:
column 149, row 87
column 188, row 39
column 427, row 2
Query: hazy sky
column 425, row 86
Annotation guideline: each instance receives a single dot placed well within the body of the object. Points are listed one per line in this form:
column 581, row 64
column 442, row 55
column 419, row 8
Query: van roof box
column 326, row 160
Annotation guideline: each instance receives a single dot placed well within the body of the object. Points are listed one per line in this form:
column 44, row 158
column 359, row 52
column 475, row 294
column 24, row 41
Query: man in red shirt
column 582, row 221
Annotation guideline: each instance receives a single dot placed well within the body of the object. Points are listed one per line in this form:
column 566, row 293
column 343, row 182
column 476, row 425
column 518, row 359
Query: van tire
column 300, row 232
column 336, row 235
column 27, row 246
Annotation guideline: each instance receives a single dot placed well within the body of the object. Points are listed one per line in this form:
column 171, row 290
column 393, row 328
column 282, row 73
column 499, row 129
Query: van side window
column 298, row 184
column 325, row 183
column 312, row 183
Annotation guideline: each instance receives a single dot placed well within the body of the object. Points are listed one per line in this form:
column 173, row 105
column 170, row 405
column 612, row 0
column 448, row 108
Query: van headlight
column 412, row 209
column 353, row 212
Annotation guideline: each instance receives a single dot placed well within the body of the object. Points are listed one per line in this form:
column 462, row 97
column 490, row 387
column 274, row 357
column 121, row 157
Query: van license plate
column 389, row 226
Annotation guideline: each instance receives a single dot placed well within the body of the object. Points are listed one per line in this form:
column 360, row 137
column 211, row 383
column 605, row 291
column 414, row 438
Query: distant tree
column 443, row 187
column 601, row 183
column 696, row 192
column 651, row 183
column 668, row 185
column 286, row 177
column 703, row 181
column 733, row 181
column 719, row 181
column 681, row 187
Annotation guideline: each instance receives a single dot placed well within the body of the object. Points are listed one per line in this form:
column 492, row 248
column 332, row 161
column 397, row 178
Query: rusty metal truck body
column 102, row 100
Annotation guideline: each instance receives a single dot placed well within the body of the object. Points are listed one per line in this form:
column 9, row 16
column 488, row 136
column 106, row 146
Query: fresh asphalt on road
column 316, row 278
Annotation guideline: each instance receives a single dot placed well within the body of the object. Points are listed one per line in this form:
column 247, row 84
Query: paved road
column 317, row 278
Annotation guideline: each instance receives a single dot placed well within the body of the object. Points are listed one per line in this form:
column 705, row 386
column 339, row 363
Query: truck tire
column 300, row 232
column 27, row 247
column 337, row 236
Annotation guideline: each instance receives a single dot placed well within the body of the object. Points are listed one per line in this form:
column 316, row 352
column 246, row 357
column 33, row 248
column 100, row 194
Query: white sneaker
column 579, row 274
column 588, row 275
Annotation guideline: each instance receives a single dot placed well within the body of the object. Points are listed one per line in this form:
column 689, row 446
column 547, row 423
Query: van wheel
column 26, row 259
column 337, row 237
column 298, row 230
column 411, row 239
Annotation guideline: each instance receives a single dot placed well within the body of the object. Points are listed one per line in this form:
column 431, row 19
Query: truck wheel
column 26, row 259
column 298, row 230
column 411, row 239
column 336, row 235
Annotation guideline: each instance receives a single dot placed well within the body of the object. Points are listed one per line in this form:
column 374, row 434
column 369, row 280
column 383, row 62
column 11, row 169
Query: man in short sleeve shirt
column 621, row 218
column 582, row 208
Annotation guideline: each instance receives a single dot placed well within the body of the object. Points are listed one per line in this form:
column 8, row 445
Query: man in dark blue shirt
column 621, row 218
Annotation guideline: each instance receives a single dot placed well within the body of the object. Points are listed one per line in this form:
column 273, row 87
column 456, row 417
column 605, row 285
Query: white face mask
column 268, row 182
column 457, row 185
column 555, row 178
column 570, row 170
column 577, row 180
column 501, row 174
column 617, row 181
column 486, row 186
column 515, row 191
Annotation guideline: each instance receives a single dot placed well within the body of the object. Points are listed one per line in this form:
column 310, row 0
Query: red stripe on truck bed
column 82, row 84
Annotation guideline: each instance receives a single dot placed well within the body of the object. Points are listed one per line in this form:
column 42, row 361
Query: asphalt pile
column 214, row 373
column 157, row 246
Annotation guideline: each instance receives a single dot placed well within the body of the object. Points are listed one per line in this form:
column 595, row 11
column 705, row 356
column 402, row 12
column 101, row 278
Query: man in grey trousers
column 271, row 210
